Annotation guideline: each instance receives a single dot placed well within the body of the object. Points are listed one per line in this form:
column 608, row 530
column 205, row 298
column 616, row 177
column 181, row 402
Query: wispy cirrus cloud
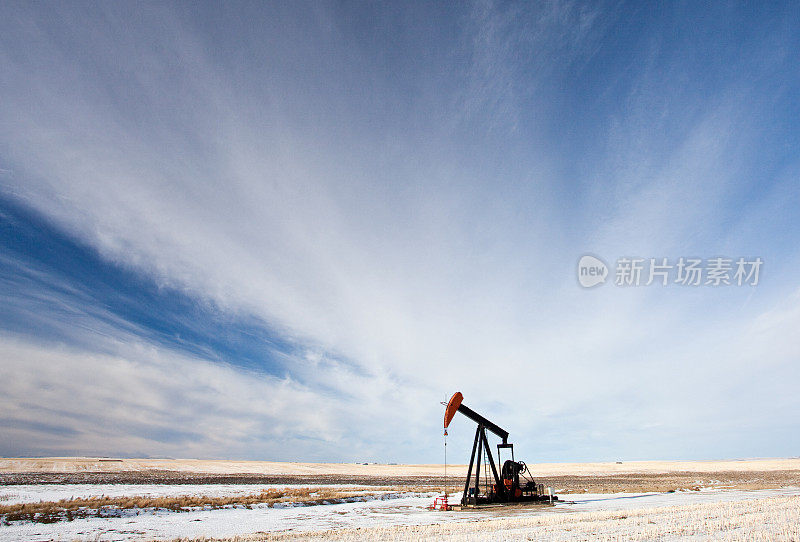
column 61, row 401
column 390, row 234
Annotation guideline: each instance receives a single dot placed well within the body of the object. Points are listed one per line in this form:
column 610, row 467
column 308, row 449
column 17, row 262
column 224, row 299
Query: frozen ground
column 407, row 510
column 766, row 519
column 56, row 492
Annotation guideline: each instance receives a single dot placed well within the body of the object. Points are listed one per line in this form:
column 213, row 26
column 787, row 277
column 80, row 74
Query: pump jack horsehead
column 507, row 487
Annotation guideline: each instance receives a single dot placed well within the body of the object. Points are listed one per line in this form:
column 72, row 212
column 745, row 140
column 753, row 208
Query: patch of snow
column 407, row 509
column 56, row 492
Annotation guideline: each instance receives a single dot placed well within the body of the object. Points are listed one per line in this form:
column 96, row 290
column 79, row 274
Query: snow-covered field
column 767, row 519
column 405, row 510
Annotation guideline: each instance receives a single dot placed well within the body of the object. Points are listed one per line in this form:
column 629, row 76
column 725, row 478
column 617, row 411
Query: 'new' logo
column 591, row 271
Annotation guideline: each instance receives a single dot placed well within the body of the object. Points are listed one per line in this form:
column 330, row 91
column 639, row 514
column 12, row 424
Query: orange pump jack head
column 452, row 408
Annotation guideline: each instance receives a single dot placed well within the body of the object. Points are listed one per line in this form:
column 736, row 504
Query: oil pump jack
column 507, row 487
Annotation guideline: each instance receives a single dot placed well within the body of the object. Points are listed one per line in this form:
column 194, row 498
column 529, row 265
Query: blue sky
column 288, row 231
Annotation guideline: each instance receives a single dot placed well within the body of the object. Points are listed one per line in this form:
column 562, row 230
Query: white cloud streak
column 377, row 246
column 152, row 402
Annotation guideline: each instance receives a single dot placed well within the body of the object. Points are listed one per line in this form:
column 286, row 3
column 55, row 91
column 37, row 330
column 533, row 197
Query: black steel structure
column 506, row 487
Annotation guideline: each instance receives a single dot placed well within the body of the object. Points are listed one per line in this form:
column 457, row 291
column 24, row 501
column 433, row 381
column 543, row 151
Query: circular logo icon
column 591, row 271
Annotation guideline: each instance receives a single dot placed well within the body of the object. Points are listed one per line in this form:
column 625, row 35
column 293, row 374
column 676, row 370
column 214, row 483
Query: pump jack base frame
column 472, row 497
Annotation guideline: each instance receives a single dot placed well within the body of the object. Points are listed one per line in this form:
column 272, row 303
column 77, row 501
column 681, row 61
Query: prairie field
column 131, row 499
column 634, row 476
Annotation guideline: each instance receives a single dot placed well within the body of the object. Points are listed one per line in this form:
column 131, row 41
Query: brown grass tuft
column 69, row 509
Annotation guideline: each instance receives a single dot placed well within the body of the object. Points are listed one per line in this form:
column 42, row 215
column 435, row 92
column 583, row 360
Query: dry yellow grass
column 84, row 464
column 69, row 509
